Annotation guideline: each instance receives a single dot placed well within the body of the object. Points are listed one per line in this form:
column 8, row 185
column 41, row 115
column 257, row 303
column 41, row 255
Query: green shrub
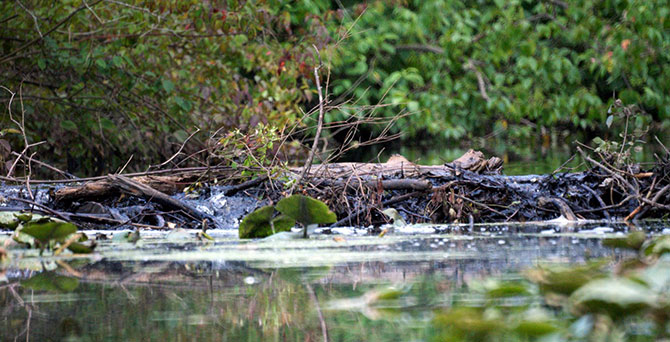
column 108, row 79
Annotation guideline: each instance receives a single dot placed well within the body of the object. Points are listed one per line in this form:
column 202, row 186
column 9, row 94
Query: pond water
column 344, row 285
column 530, row 155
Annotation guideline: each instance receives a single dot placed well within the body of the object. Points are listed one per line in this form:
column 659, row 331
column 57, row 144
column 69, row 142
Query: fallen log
column 105, row 187
column 138, row 189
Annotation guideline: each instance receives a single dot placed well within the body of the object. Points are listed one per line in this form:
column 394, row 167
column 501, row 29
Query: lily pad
column 259, row 223
column 50, row 281
column 24, row 217
column 131, row 237
column 657, row 246
column 613, row 296
column 633, row 241
column 48, row 231
column 565, row 280
column 468, row 319
column 80, row 248
column 8, row 220
column 306, row 210
column 398, row 221
column 507, row 289
column 535, row 328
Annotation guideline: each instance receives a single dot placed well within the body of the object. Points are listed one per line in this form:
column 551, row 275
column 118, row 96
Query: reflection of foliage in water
column 183, row 300
column 580, row 302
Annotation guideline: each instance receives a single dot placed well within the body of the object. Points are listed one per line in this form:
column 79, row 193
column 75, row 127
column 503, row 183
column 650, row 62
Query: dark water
column 179, row 289
column 537, row 154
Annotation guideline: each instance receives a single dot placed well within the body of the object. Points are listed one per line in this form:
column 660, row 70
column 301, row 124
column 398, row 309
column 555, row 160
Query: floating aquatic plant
column 266, row 221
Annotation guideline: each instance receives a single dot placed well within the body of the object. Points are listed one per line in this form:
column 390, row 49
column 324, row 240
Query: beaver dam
column 471, row 189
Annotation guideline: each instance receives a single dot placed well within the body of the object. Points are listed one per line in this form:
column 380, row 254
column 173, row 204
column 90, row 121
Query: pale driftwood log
column 138, row 189
column 144, row 187
column 396, row 166
column 103, row 188
column 384, row 184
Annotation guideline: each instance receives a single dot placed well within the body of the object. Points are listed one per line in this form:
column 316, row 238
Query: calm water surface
column 181, row 289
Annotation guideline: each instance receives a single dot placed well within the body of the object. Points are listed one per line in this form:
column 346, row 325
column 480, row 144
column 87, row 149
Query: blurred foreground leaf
column 50, row 281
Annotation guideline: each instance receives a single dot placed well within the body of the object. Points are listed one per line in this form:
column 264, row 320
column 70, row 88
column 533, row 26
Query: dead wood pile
column 470, row 189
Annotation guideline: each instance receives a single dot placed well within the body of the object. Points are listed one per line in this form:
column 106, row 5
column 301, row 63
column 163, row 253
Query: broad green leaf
column 24, row 217
column 657, row 246
column 101, row 63
column 68, row 125
column 306, row 210
column 467, row 319
column 168, row 86
column 49, row 231
column 131, row 237
column 258, row 223
column 613, row 296
column 633, row 241
column 507, row 289
column 283, row 223
column 107, row 124
column 8, row 220
column 657, row 276
column 182, row 103
column 51, row 282
column 535, row 328
column 565, row 280
column 117, row 61
column 80, row 248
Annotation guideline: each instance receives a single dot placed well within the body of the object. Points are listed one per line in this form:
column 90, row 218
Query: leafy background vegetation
column 103, row 80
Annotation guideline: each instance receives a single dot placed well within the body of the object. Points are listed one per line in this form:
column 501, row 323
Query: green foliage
column 45, row 233
column 296, row 208
column 52, row 282
column 590, row 303
column 566, row 280
column 632, row 241
column 132, row 77
column 135, row 77
column 261, row 223
column 466, row 68
column 251, row 151
column 614, row 296
column 619, row 152
column 306, row 210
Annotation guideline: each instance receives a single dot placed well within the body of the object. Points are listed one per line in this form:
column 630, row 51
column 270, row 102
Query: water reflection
column 362, row 288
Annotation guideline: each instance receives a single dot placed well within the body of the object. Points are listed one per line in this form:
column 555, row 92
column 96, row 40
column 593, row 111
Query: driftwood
column 138, row 189
column 146, row 187
column 107, row 187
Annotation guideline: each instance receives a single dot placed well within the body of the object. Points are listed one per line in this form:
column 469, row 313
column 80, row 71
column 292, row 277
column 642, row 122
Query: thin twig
column 67, row 243
column 11, row 168
column 57, row 170
column 310, row 158
column 480, row 79
column 41, row 206
column 178, row 151
column 37, row 25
